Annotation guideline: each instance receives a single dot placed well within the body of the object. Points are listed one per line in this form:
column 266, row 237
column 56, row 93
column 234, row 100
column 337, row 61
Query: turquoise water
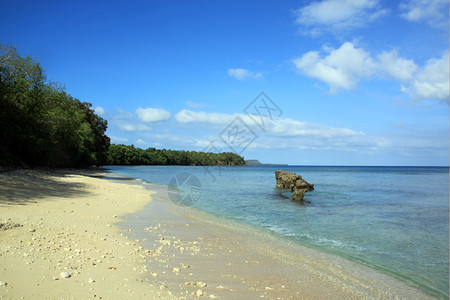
column 395, row 219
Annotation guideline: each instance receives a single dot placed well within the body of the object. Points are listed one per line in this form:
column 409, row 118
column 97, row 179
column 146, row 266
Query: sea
column 393, row 219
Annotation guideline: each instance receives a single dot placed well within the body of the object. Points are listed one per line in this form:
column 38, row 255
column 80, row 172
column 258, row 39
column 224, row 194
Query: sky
column 332, row 82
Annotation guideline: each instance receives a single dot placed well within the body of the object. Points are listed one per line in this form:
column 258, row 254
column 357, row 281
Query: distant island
column 257, row 163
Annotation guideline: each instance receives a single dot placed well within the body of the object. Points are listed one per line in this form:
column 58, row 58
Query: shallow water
column 395, row 219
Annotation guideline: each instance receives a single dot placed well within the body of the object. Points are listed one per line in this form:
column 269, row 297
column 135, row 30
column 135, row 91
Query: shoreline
column 116, row 241
column 262, row 265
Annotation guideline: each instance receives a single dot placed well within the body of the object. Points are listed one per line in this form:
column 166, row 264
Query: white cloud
column 132, row 127
column 337, row 15
column 397, row 67
column 126, row 127
column 343, row 68
column 293, row 128
column 281, row 127
column 152, row 114
column 188, row 116
column 181, row 140
column 242, row 74
column 432, row 81
column 100, row 110
column 425, row 10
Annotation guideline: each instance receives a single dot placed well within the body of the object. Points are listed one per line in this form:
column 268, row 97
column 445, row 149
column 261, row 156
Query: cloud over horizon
column 280, row 127
column 287, row 134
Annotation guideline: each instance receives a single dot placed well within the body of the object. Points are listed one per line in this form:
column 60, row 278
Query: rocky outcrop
column 294, row 183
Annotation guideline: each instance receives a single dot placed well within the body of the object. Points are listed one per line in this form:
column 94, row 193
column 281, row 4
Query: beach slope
column 59, row 237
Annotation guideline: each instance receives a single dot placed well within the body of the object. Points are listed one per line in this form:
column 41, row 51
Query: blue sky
column 349, row 82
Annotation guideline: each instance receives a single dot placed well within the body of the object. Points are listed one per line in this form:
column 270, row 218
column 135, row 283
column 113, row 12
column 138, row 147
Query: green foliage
column 130, row 155
column 40, row 124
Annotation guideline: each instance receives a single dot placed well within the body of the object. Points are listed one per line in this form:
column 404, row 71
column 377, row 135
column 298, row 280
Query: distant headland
column 257, row 163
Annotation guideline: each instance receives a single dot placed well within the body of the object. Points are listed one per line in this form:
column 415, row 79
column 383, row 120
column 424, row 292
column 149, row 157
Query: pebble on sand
column 64, row 275
column 196, row 284
column 3, row 283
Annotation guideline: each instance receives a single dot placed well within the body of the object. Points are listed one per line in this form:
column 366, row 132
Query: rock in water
column 298, row 195
column 294, row 183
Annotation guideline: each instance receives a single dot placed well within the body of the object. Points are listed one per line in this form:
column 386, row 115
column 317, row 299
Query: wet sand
column 114, row 242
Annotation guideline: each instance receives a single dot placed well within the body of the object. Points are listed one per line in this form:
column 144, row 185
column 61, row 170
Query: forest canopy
column 130, row 155
column 42, row 125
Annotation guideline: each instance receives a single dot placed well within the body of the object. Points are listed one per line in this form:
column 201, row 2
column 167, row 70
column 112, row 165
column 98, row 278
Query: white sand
column 68, row 225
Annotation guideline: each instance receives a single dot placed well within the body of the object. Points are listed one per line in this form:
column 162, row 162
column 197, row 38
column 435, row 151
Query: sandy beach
column 64, row 223
column 74, row 234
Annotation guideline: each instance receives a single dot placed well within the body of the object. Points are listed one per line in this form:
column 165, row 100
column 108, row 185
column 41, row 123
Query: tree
column 40, row 124
column 21, row 89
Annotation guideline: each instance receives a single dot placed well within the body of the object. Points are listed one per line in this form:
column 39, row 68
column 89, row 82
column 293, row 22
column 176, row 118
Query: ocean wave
column 321, row 241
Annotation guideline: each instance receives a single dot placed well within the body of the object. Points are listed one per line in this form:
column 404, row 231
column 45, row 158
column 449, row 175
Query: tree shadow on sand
column 21, row 187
